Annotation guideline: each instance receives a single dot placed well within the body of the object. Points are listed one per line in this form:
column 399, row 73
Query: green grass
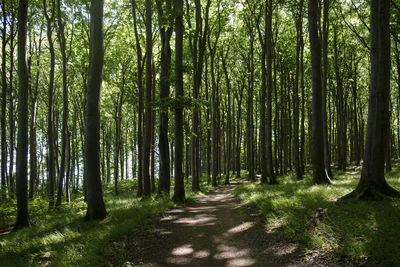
column 342, row 233
column 69, row 240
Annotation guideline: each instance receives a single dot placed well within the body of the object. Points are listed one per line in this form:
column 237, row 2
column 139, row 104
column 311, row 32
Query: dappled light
column 360, row 233
column 214, row 231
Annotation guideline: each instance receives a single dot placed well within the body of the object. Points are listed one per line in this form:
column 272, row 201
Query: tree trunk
column 50, row 111
column 318, row 163
column 4, row 98
column 96, row 208
column 372, row 184
column 163, row 146
column 325, row 37
column 22, row 147
column 179, row 188
column 148, row 111
column 140, row 111
column 296, row 150
column 64, row 131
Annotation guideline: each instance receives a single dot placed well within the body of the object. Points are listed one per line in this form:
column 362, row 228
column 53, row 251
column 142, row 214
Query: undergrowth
column 60, row 237
column 341, row 233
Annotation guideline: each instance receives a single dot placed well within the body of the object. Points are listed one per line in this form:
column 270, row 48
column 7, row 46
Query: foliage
column 69, row 241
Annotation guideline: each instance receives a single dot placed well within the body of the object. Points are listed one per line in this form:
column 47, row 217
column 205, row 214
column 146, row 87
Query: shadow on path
column 214, row 231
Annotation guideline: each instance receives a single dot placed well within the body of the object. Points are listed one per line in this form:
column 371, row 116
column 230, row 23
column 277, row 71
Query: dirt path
column 214, row 231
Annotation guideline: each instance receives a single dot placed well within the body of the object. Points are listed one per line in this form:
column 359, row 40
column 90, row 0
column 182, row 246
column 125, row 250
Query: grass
column 60, row 237
column 341, row 233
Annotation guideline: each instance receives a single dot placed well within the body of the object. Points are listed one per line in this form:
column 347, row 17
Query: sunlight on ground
column 241, row 228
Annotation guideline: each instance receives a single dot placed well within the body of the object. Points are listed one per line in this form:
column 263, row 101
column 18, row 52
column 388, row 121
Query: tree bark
column 22, row 147
column 179, row 187
column 64, row 131
column 50, row 111
column 372, row 184
column 319, row 173
column 96, row 208
column 140, row 108
column 148, row 111
column 163, row 146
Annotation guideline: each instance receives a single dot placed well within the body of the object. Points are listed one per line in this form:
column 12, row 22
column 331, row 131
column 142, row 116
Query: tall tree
column 23, row 114
column 198, row 48
column 372, row 184
column 318, row 163
column 96, row 208
column 140, row 106
column 4, row 41
column 50, row 111
column 179, row 187
column 64, row 131
column 148, row 111
column 165, row 21
column 325, row 37
column 296, row 149
column 268, row 127
column 11, row 115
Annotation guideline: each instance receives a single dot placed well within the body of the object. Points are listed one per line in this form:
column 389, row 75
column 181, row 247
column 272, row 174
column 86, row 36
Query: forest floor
column 216, row 230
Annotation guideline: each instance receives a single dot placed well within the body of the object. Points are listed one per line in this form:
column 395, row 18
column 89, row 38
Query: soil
column 216, row 230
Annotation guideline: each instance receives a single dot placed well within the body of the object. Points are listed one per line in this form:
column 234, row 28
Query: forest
column 200, row 132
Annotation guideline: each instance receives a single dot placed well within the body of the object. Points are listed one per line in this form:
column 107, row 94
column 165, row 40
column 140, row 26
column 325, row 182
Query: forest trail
column 215, row 231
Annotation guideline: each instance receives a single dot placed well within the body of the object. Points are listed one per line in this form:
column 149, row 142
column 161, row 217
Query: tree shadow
column 214, row 231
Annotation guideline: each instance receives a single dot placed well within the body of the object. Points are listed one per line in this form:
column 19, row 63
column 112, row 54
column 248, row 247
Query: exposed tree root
column 371, row 192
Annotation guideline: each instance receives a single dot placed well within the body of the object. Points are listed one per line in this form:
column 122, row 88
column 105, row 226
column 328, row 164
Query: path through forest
column 215, row 231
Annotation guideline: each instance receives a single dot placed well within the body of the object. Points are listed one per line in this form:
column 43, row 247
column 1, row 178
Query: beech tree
column 95, row 203
column 318, row 163
column 372, row 184
column 22, row 147
column 179, row 187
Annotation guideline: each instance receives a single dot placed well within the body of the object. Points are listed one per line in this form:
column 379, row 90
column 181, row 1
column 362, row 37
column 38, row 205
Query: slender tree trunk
column 140, row 111
column 325, row 37
column 64, row 131
column 163, row 146
column 22, row 147
column 4, row 97
column 268, row 127
column 228, row 127
column 148, row 111
column 32, row 135
column 50, row 111
column 179, row 188
column 11, row 118
column 296, row 150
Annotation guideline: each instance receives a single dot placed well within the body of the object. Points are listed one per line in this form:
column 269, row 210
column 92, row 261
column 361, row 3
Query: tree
column 3, row 97
column 179, row 187
column 165, row 34
column 148, row 112
column 372, row 184
column 318, row 164
column 140, row 108
column 23, row 114
column 50, row 110
column 64, row 131
column 95, row 208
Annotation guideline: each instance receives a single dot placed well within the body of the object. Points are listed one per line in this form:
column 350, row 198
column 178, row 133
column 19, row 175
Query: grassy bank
column 349, row 233
column 60, row 237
